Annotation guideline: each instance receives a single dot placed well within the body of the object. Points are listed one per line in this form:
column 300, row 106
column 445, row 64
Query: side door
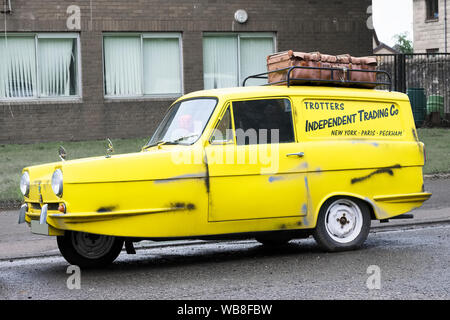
column 256, row 166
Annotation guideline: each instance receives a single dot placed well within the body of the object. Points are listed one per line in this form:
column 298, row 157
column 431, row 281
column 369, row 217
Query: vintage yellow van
column 273, row 163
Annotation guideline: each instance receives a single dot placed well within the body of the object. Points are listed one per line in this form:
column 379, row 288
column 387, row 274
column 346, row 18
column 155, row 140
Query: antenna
column 6, row 7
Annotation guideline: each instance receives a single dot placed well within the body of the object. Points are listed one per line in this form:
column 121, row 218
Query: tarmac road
column 413, row 264
column 412, row 255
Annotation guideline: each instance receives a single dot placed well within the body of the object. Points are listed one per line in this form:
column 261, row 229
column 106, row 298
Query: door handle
column 298, row 154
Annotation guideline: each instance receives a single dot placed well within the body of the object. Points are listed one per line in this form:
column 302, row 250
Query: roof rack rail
column 339, row 82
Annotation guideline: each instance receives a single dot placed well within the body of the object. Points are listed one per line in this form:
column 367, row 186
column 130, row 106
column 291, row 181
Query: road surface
column 409, row 258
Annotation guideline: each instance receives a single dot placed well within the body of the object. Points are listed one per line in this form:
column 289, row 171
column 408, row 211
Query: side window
column 263, row 121
column 223, row 133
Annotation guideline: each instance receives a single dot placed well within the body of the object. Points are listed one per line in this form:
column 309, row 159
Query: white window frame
column 143, row 36
column 239, row 35
column 48, row 35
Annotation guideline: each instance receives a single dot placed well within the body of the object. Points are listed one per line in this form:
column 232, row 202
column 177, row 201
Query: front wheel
column 343, row 224
column 89, row 250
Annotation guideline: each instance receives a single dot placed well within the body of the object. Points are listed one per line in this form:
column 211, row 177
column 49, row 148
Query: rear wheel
column 89, row 250
column 343, row 224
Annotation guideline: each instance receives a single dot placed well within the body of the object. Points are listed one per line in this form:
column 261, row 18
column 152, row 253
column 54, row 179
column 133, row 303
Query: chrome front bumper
column 38, row 227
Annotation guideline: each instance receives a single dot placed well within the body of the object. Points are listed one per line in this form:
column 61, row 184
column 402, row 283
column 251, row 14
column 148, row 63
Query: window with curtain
column 229, row 58
column 123, row 66
column 142, row 65
column 220, row 62
column 38, row 66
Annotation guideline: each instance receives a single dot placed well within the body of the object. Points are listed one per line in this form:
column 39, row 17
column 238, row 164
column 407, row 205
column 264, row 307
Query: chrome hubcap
column 92, row 246
column 343, row 221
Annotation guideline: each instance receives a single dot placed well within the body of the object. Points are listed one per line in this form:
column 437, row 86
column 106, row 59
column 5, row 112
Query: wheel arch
column 336, row 195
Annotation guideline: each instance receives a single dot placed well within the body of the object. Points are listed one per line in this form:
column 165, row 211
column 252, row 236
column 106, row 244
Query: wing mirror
column 62, row 153
column 110, row 148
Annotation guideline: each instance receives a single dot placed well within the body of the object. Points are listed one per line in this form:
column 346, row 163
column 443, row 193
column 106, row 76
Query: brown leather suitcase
column 345, row 62
column 328, row 61
column 364, row 63
column 290, row 58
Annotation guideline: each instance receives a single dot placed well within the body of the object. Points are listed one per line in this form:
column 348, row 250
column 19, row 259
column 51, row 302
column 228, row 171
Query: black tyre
column 88, row 250
column 343, row 224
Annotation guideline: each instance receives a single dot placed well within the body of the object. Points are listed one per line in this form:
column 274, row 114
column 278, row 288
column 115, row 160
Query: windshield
column 185, row 122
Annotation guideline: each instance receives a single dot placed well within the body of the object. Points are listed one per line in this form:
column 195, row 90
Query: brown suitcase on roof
column 364, row 63
column 345, row 63
column 288, row 59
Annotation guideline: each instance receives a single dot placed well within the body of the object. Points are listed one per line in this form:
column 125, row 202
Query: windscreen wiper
column 168, row 142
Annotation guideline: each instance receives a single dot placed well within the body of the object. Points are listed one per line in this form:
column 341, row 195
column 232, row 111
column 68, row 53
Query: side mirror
column 110, row 148
column 62, row 153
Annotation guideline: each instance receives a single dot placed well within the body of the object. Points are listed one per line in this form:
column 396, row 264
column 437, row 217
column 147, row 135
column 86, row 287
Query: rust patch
column 275, row 178
column 304, row 209
column 318, row 170
column 290, row 226
column 305, row 220
column 388, row 170
column 308, row 205
column 207, row 184
column 303, row 165
column 180, row 178
column 373, row 143
column 106, row 209
column 182, row 205
column 307, row 185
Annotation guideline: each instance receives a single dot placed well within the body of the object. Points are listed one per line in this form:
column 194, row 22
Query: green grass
column 437, row 147
column 14, row 157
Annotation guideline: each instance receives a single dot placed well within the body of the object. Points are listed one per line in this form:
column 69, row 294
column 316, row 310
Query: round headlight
column 57, row 182
column 25, row 184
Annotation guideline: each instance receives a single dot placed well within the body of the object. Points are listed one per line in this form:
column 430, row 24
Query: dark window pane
column 224, row 131
column 263, row 121
column 432, row 9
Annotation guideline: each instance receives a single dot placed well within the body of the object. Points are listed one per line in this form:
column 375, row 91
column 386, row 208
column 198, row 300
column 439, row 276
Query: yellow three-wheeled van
column 272, row 163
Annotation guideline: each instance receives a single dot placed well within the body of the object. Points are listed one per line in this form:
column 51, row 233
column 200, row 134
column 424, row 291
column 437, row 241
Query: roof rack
column 339, row 82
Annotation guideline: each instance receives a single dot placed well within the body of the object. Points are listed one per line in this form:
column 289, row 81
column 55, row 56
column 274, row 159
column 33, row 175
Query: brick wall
column 333, row 27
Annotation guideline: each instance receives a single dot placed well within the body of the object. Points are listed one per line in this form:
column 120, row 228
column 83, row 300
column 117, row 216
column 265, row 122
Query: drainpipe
column 445, row 25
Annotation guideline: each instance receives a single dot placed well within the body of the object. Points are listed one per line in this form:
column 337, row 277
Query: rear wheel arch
column 333, row 196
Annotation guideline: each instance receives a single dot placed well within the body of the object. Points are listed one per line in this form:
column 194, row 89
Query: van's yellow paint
column 356, row 142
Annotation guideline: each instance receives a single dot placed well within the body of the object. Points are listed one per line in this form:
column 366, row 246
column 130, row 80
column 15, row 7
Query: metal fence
column 428, row 73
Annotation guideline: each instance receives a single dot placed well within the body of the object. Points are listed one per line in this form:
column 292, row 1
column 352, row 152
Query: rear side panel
column 362, row 147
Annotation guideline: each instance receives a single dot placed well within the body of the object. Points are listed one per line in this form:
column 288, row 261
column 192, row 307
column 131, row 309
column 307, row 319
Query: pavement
column 17, row 242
